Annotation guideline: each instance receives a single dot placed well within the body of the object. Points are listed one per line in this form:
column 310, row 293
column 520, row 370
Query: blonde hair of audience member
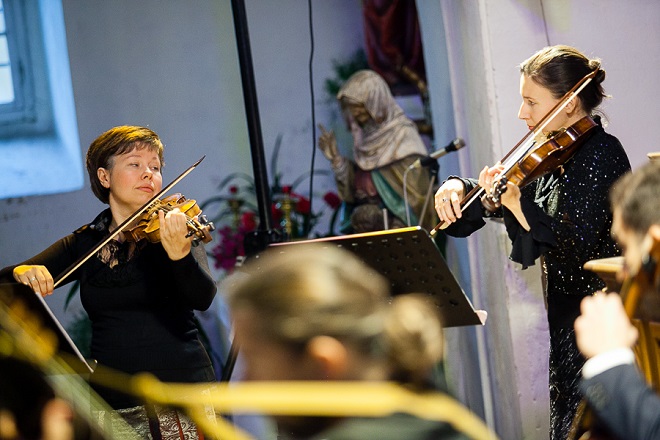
column 315, row 313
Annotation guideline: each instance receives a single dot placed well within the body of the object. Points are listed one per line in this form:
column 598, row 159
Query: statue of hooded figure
column 385, row 143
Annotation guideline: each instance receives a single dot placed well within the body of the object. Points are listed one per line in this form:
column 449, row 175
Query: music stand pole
column 265, row 234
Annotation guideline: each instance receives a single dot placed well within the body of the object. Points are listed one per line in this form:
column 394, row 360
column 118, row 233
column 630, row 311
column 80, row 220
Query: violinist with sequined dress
column 563, row 218
column 139, row 296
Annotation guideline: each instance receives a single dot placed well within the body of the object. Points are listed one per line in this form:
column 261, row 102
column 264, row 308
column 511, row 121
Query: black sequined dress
column 570, row 220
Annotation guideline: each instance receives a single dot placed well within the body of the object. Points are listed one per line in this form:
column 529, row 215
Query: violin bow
column 524, row 144
column 125, row 223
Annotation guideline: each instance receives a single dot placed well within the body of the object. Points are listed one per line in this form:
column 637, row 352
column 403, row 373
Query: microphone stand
column 434, row 168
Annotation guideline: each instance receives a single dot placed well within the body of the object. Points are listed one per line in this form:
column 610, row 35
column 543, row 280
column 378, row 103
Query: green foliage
column 344, row 70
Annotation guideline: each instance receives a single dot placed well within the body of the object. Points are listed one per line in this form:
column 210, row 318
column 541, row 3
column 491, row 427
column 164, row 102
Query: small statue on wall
column 385, row 144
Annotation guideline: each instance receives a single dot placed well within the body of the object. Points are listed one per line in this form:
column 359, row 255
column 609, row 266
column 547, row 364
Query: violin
column 149, row 205
column 541, row 160
column 528, row 159
column 147, row 226
column 635, row 286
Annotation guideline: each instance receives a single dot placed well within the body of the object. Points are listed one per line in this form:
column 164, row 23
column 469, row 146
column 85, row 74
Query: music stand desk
column 10, row 292
column 412, row 263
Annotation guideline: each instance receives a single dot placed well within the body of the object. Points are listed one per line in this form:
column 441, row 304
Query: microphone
column 454, row 145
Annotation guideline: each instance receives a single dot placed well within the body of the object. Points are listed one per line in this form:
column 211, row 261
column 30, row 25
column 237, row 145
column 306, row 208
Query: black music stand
column 412, row 263
column 11, row 292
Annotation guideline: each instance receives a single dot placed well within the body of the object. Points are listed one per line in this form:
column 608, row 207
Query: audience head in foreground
column 318, row 313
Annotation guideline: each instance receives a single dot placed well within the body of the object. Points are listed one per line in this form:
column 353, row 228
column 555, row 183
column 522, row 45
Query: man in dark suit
column 612, row 384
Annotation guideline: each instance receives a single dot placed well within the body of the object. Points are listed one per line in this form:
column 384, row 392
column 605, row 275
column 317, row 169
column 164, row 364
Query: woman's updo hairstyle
column 311, row 290
column 414, row 340
column 559, row 68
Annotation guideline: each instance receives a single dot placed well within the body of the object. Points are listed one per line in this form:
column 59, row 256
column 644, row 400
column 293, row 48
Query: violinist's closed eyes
column 564, row 216
column 139, row 295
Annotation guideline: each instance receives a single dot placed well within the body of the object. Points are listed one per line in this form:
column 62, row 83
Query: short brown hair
column 117, row 140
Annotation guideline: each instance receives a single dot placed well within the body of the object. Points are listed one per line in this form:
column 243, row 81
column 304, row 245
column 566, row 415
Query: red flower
column 275, row 213
column 332, row 200
column 303, row 205
column 248, row 221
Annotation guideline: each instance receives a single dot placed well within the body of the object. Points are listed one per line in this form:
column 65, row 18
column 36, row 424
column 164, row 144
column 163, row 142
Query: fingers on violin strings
column 483, row 176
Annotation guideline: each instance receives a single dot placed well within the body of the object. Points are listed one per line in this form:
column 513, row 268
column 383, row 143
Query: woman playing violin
column 563, row 218
column 140, row 296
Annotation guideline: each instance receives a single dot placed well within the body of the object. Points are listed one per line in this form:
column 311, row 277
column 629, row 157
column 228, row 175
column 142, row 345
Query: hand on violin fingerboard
column 173, row 231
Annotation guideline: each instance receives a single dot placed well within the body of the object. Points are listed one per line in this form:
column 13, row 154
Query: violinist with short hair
column 563, row 217
column 139, row 296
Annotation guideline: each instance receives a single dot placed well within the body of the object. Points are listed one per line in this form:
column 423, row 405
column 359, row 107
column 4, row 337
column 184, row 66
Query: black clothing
column 570, row 220
column 140, row 304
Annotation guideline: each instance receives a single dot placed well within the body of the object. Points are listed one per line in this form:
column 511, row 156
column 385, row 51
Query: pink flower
column 228, row 249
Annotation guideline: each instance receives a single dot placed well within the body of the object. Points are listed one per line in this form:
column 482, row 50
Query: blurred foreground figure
column 612, row 384
column 313, row 313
